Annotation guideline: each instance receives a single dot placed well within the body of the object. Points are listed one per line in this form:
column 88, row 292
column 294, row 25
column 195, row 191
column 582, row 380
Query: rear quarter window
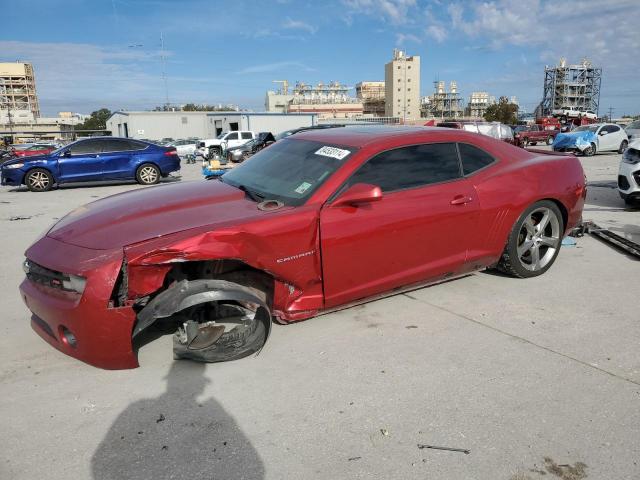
column 473, row 158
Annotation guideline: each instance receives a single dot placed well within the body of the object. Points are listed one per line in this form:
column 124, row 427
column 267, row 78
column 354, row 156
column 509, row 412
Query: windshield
column 221, row 136
column 586, row 128
column 285, row 134
column 289, row 170
column 634, row 125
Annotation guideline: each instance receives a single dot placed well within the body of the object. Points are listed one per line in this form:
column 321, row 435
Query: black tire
column 590, row 151
column 534, row 143
column 148, row 174
column 525, row 141
column 623, row 146
column 38, row 180
column 550, row 140
column 511, row 262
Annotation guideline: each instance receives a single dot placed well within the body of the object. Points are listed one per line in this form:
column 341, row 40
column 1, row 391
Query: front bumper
column 12, row 176
column 629, row 179
column 102, row 335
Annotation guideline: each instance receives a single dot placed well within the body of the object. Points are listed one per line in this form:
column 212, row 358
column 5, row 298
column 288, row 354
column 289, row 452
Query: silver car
column 633, row 130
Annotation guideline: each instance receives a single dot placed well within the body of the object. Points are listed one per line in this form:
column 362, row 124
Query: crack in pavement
column 517, row 337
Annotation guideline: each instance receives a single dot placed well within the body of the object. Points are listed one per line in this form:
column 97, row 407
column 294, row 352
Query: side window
column 246, row 135
column 115, row 145
column 133, row 145
column 409, row 167
column 86, row 147
column 232, row 136
column 613, row 128
column 473, row 158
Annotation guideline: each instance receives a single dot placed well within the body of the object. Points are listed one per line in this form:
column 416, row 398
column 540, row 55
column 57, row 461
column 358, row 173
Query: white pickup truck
column 228, row 139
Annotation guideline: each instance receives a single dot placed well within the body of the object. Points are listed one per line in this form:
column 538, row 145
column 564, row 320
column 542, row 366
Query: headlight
column 75, row 283
column 631, row 155
column 14, row 165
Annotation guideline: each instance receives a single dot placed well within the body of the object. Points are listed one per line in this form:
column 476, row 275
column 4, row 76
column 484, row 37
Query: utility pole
column 164, row 71
column 611, row 110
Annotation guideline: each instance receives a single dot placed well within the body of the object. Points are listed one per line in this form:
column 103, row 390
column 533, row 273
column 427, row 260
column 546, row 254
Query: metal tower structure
column 576, row 86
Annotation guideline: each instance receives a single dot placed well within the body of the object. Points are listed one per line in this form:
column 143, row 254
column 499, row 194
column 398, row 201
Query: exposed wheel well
column 232, row 270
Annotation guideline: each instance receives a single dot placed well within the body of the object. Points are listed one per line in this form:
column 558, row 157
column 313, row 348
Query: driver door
column 233, row 139
column 418, row 231
column 81, row 161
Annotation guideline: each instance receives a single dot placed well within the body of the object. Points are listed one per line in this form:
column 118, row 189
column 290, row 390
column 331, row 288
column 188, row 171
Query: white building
column 158, row 125
column 402, row 86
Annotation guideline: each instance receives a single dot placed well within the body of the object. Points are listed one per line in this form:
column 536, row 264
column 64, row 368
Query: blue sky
column 93, row 53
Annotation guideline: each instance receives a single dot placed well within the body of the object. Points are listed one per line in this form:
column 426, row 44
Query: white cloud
column 394, row 11
column 437, row 32
column 299, row 25
column 274, row 67
column 402, row 38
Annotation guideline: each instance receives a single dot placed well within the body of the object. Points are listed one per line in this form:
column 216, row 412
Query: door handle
column 461, row 200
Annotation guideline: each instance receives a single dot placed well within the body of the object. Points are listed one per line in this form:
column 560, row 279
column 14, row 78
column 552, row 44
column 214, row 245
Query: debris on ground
column 160, row 418
column 19, row 217
column 411, row 326
column 354, row 458
column 384, row 432
column 569, row 242
column 450, row 449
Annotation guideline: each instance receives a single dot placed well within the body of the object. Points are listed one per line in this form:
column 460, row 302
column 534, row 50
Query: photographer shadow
column 174, row 436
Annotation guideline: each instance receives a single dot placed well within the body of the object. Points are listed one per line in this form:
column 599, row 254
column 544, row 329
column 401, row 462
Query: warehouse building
column 158, row 125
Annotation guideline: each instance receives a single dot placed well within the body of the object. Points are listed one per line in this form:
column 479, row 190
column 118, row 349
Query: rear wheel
column 623, row 146
column 534, row 241
column 549, row 140
column 39, row 180
column 148, row 174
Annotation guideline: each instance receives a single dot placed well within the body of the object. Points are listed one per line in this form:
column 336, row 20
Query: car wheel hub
column 539, row 239
column 39, row 180
column 148, row 175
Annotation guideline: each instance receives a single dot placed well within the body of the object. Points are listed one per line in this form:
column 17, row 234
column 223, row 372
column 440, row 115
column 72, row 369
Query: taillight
column 171, row 152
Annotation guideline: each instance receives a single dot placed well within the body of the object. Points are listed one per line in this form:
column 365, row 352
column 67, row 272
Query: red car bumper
column 81, row 325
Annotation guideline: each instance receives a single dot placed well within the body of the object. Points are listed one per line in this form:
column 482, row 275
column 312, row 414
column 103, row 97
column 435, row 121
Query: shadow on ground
column 176, row 436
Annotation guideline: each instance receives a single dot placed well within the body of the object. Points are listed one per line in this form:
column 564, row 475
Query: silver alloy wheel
column 539, row 239
column 148, row 174
column 38, row 181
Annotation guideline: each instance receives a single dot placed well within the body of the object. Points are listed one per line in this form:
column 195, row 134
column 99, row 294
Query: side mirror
column 602, row 132
column 66, row 153
column 358, row 194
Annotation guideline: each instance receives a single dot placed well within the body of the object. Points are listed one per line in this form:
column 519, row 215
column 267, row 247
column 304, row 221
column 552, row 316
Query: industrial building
column 18, row 95
column 402, row 86
column 443, row 103
column 570, row 86
column 158, row 125
column 478, row 104
column 327, row 100
column 372, row 95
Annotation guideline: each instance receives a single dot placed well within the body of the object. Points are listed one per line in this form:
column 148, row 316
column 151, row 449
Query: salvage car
column 633, row 130
column 35, row 149
column 492, row 129
column 241, row 153
column 93, row 159
column 531, row 134
column 629, row 174
column 318, row 221
column 590, row 139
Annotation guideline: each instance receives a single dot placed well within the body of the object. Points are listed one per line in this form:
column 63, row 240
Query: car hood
column 26, row 159
column 133, row 217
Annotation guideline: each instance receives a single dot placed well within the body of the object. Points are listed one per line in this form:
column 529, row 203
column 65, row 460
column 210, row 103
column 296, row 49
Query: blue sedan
column 93, row 159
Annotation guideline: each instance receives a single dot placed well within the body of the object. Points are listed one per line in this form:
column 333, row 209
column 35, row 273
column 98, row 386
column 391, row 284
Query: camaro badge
column 295, row 257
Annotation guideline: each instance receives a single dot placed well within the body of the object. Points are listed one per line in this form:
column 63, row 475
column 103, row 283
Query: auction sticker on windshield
column 333, row 152
column 303, row 187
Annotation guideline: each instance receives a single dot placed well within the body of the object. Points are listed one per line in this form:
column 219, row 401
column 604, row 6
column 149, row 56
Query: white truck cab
column 228, row 139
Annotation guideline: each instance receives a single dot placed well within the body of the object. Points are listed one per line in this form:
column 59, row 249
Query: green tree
column 503, row 112
column 97, row 120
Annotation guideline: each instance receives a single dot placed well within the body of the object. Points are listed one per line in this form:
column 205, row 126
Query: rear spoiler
column 549, row 152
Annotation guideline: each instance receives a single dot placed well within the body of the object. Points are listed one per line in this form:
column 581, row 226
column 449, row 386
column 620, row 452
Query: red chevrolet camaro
column 317, row 221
